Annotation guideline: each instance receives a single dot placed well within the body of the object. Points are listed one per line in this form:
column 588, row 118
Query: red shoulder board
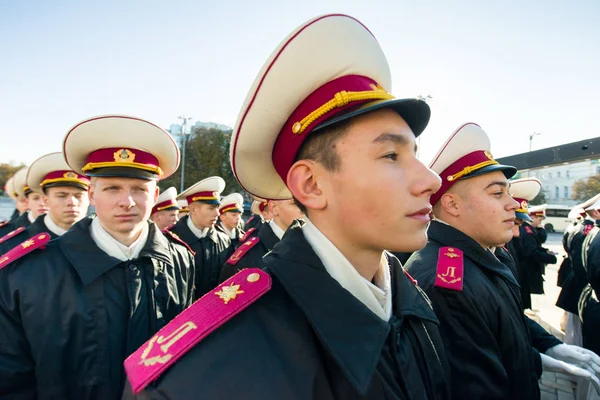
column 177, row 239
column 528, row 229
column 243, row 249
column 450, row 269
column 247, row 234
column 194, row 324
column 3, row 224
column 12, row 234
column 250, row 219
column 26, row 247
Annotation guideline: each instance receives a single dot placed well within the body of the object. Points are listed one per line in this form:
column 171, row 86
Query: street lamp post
column 531, row 136
column 184, row 139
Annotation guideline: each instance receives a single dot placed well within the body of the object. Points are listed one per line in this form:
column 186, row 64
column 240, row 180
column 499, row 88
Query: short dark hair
column 321, row 147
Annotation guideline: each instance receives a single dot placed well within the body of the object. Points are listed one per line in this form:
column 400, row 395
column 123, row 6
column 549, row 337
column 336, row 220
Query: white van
column 557, row 218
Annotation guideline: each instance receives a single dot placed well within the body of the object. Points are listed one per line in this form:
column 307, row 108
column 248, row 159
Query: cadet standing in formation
column 335, row 316
column 34, row 200
column 20, row 203
column 71, row 312
column 251, row 252
column 64, row 193
column 165, row 212
column 230, row 215
column 197, row 229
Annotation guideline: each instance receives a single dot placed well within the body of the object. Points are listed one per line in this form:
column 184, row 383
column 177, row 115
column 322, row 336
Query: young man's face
column 123, row 204
column 230, row 219
column 165, row 218
column 538, row 221
column 66, row 204
column 379, row 197
column 204, row 215
column 486, row 209
column 284, row 212
column 36, row 204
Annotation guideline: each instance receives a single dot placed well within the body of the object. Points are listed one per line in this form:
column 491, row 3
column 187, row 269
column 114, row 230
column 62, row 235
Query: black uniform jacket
column 211, row 253
column 253, row 257
column 21, row 221
column 483, row 327
column 254, row 221
column 37, row 227
column 568, row 298
column 70, row 314
column 590, row 308
column 565, row 267
column 533, row 257
column 309, row 338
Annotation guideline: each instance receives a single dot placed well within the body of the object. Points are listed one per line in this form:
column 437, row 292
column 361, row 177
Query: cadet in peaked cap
column 230, row 214
column 64, row 194
column 93, row 268
column 259, row 215
column 474, row 294
column 321, row 126
column 166, row 210
column 526, row 245
column 33, row 200
column 197, row 229
column 20, row 204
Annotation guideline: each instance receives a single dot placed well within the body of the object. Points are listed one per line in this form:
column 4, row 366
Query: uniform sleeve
column 593, row 264
column 17, row 376
column 541, row 340
column 191, row 283
column 469, row 341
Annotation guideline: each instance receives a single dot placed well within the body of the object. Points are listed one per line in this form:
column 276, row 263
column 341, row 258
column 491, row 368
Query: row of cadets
column 474, row 294
column 250, row 253
column 523, row 191
column 165, row 212
column 72, row 309
column 212, row 247
column 230, row 215
column 575, row 282
column 64, row 194
column 333, row 315
column 34, row 200
column 577, row 215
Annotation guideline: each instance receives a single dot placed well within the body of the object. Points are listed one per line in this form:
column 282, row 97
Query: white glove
column 550, row 364
column 579, row 356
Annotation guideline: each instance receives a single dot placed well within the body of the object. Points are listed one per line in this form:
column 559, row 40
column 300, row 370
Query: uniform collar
column 276, row 229
column 328, row 306
column 49, row 222
column 447, row 235
column 91, row 262
column 376, row 297
column 112, row 246
column 199, row 233
column 30, row 217
column 267, row 236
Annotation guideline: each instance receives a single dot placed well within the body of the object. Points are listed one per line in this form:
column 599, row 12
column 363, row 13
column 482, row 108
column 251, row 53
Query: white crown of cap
column 589, row 202
column 120, row 131
column 233, row 198
column 319, row 51
column 43, row 166
column 20, row 180
column 534, row 209
column 169, row 194
column 525, row 188
column 467, row 139
column 211, row 184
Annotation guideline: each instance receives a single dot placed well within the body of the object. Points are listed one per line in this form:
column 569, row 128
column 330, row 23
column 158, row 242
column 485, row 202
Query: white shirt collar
column 229, row 233
column 276, row 229
column 30, row 217
column 57, row 230
column 113, row 247
column 200, row 233
column 376, row 297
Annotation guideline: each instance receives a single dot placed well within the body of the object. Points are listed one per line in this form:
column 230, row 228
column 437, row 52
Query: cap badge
column 488, row 154
column 124, row 156
column 71, row 175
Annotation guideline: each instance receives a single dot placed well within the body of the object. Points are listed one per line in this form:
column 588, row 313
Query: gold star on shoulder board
column 27, row 243
column 228, row 293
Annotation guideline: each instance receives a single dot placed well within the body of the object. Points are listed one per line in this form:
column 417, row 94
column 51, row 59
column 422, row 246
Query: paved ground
column 553, row 386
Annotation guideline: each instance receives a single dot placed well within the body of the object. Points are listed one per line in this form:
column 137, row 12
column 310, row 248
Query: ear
column 156, row 193
column 451, row 204
column 303, row 182
column 91, row 192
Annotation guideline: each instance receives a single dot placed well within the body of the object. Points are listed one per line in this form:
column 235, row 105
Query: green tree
column 6, row 171
column 586, row 188
column 207, row 154
column 539, row 199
